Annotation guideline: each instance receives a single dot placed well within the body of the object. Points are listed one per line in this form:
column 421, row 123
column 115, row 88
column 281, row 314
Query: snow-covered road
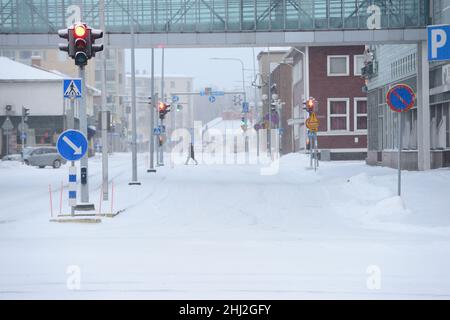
column 225, row 231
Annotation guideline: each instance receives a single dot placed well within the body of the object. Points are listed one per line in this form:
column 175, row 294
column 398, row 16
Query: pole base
column 151, row 170
column 134, row 183
column 84, row 207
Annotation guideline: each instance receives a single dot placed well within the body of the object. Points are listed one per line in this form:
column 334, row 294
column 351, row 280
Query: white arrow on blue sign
column 212, row 99
column 438, row 42
column 72, row 145
column 72, row 88
column 175, row 98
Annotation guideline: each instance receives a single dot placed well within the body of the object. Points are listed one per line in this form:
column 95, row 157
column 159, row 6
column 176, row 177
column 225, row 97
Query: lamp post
column 243, row 76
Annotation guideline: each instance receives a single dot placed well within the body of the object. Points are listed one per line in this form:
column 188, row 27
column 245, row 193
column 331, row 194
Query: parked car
column 42, row 157
column 12, row 157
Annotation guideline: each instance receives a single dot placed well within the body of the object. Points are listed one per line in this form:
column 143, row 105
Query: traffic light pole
column 22, row 133
column 161, row 149
column 104, row 111
column 153, row 103
column 83, row 128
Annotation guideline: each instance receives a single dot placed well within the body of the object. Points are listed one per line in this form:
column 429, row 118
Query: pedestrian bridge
column 219, row 22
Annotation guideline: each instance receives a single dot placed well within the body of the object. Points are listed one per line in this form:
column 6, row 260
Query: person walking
column 191, row 155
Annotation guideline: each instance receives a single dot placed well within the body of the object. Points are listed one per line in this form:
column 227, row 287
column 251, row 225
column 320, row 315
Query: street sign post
column 7, row 124
column 157, row 131
column 400, row 98
column 312, row 123
column 438, row 42
column 245, row 107
column 72, row 88
column 72, row 145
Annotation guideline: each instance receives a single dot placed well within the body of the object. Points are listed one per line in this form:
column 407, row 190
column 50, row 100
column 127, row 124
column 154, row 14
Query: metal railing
column 174, row 16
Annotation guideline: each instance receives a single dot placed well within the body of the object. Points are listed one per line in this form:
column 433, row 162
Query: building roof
column 13, row 70
column 271, row 52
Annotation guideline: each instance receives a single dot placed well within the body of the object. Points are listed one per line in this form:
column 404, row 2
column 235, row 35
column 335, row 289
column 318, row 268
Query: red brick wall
column 322, row 87
column 342, row 142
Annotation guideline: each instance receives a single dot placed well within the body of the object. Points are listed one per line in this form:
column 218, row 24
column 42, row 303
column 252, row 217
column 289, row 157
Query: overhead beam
column 232, row 39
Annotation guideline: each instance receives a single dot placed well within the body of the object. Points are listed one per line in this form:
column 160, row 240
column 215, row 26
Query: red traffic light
column 311, row 103
column 79, row 31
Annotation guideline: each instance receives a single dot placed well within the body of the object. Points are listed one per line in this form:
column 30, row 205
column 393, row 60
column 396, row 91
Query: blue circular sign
column 175, row 98
column 72, row 145
column 400, row 98
column 212, row 99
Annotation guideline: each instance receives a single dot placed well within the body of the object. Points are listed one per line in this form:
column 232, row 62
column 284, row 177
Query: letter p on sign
column 439, row 42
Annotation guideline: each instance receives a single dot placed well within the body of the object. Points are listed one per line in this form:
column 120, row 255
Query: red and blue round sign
column 400, row 98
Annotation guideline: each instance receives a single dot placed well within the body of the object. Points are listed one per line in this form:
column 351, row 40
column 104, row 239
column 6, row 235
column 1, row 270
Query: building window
column 338, row 114
column 338, row 66
column 358, row 64
column 360, row 121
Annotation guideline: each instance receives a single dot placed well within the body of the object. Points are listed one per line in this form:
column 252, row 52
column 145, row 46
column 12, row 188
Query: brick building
column 333, row 78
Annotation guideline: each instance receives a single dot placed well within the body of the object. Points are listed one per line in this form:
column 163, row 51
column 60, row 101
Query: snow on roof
column 13, row 70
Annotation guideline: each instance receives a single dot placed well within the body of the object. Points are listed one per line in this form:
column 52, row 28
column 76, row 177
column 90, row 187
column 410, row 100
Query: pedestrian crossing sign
column 72, row 88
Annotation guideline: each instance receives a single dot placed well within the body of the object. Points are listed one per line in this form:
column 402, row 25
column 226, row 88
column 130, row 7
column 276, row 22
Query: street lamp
column 243, row 76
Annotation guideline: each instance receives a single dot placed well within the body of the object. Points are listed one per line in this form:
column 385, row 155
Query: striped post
column 72, row 186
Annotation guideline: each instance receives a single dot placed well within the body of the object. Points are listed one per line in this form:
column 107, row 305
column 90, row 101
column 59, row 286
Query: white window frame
column 355, row 114
column 347, row 114
column 354, row 64
column 347, row 57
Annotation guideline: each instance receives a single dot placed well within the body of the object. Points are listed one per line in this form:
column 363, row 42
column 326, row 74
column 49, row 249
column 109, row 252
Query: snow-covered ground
column 225, row 231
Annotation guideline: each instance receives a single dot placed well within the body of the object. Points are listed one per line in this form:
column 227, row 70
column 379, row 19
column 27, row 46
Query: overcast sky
column 197, row 63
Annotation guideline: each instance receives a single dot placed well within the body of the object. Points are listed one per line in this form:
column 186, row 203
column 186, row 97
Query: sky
column 197, row 63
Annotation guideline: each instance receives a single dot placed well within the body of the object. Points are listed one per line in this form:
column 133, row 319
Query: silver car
column 42, row 157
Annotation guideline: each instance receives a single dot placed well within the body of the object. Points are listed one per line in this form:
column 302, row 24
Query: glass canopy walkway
column 212, row 16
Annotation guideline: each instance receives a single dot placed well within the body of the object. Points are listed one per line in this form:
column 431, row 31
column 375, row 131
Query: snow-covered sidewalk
column 226, row 231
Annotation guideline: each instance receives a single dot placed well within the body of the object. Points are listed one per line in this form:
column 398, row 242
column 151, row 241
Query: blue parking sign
column 438, row 42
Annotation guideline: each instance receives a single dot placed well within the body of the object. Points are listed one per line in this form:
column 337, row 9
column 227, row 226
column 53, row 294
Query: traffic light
column 244, row 124
column 164, row 108
column 25, row 113
column 179, row 107
column 95, row 34
column 81, row 39
column 310, row 104
column 67, row 47
column 80, row 44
